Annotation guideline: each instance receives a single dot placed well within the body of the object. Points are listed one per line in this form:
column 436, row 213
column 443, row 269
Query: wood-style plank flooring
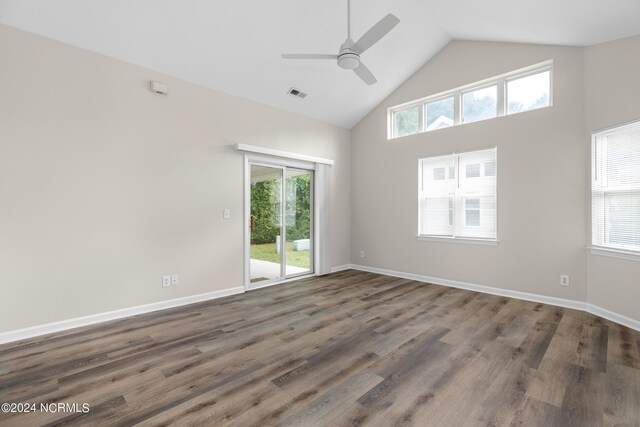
column 347, row 349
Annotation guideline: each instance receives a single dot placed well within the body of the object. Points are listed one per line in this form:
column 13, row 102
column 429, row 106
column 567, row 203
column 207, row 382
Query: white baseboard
column 613, row 316
column 340, row 268
column 64, row 325
column 562, row 302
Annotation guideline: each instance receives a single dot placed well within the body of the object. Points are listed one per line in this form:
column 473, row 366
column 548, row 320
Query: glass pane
column 407, row 121
column 490, row 169
column 298, row 193
column 473, row 203
column 266, row 186
column 479, row 217
column 528, row 93
column 433, row 182
column 479, row 104
column 623, row 220
column 622, row 153
column 472, row 218
column 472, row 212
column 437, row 216
column 439, row 114
column 472, row 171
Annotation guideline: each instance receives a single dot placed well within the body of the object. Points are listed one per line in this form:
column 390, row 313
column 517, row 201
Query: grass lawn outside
column 267, row 252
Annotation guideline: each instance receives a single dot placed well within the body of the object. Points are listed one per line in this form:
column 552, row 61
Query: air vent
column 295, row 92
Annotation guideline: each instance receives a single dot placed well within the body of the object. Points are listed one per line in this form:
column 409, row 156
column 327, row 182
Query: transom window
column 615, row 188
column 511, row 93
column 458, row 195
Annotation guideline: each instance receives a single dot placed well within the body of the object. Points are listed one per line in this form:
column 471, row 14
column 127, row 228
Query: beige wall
column 612, row 93
column 542, row 185
column 544, row 220
column 105, row 187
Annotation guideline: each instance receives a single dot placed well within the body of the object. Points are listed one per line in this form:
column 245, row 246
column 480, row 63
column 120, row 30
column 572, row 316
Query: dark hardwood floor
column 351, row 348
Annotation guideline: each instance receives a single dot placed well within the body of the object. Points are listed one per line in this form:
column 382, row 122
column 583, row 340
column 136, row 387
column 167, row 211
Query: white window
column 480, row 104
column 514, row 92
column 407, row 120
column 615, row 197
column 458, row 195
column 440, row 113
column 529, row 92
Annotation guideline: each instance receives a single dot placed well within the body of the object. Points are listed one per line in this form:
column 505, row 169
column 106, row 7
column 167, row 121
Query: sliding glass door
column 280, row 223
column 298, row 214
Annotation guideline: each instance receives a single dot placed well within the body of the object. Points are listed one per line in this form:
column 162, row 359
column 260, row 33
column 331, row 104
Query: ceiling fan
column 349, row 55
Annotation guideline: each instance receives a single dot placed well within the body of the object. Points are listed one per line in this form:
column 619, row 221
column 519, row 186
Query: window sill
column 614, row 253
column 468, row 241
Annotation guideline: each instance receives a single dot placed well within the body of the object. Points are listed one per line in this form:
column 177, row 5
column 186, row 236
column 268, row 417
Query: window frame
column 458, row 214
column 405, row 108
column 477, row 88
column 509, row 79
column 598, row 186
column 500, row 82
column 423, row 118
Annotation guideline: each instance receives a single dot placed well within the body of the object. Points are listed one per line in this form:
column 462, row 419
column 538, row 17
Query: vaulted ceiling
column 235, row 46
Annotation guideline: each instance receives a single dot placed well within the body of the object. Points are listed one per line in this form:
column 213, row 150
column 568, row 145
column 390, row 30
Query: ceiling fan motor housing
column 348, row 58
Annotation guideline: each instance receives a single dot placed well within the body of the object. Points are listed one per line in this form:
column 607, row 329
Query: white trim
column 282, row 165
column 280, row 153
column 614, row 253
column 339, row 268
column 632, row 122
column 501, row 97
column 246, row 233
column 278, row 162
column 478, row 288
column 322, row 219
column 266, row 284
column 64, row 325
column 93, row 319
column 562, row 302
column 613, row 316
column 486, row 242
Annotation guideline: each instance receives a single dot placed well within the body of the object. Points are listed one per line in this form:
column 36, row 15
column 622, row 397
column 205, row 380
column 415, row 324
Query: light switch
column 226, row 214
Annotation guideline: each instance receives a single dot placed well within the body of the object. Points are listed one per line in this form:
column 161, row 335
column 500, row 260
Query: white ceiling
column 234, row 46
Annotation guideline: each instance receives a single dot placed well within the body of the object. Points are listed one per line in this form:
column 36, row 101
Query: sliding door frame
column 283, row 165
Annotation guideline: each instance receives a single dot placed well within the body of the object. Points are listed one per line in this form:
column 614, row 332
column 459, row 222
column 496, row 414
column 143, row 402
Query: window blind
column 616, row 188
column 458, row 195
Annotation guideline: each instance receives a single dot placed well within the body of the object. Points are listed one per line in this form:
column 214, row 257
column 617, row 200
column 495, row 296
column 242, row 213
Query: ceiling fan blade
column 375, row 33
column 308, row 56
column 365, row 74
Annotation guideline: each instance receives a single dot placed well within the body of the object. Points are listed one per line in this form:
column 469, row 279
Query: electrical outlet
column 226, row 213
column 174, row 280
column 166, row 281
column 361, row 254
column 564, row 280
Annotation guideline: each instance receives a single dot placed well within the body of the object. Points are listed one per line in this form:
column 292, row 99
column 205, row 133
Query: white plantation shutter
column 616, row 188
column 458, row 195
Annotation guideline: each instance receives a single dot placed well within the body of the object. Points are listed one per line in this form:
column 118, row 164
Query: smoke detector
column 159, row 88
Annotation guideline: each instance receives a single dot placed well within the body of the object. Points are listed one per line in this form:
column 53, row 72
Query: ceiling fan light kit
column 348, row 60
column 348, row 57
